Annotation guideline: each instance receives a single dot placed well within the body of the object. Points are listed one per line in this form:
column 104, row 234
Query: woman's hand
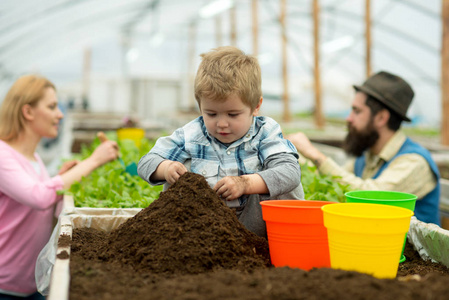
column 67, row 166
column 105, row 152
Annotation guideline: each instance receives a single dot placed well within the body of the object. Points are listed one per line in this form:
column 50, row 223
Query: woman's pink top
column 27, row 202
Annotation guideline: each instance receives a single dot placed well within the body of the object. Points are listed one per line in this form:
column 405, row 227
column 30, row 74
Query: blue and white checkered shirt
column 203, row 154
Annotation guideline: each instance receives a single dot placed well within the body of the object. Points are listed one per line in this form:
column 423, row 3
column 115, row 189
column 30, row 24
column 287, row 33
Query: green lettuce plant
column 321, row 187
column 110, row 186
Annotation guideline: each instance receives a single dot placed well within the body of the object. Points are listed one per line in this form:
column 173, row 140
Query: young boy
column 243, row 157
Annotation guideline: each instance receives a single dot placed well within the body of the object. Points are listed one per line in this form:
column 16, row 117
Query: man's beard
column 356, row 142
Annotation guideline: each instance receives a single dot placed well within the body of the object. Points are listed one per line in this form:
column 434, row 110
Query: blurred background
column 114, row 61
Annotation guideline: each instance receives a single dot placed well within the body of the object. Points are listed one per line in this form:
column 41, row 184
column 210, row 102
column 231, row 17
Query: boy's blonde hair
column 28, row 89
column 228, row 70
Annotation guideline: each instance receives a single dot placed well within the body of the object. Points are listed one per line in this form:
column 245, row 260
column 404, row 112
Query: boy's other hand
column 231, row 187
column 173, row 171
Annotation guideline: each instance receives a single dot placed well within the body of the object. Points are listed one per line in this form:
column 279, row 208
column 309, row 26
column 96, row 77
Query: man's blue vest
column 426, row 209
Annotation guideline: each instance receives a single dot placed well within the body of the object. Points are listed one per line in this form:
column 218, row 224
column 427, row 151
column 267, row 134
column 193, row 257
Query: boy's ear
column 256, row 110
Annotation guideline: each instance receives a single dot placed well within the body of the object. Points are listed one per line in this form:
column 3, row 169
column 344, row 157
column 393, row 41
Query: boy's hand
column 174, row 170
column 231, row 187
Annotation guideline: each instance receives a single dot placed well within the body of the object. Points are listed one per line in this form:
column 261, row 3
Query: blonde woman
column 28, row 195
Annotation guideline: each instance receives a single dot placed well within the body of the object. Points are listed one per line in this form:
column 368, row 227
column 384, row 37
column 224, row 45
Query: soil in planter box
column 189, row 245
column 188, row 230
column 99, row 280
column 415, row 265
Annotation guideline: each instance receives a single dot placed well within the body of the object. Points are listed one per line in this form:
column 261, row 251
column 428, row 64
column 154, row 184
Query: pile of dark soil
column 189, row 245
column 188, row 230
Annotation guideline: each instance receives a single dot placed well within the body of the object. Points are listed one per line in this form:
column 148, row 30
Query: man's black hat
column 389, row 89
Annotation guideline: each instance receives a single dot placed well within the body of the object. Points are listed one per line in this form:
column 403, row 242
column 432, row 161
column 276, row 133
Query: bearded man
column 382, row 156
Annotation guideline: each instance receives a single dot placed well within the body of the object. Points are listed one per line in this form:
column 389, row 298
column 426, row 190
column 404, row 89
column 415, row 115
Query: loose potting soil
column 189, row 245
column 188, row 230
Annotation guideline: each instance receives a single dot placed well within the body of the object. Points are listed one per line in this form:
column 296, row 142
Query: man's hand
column 305, row 147
column 173, row 170
column 231, row 187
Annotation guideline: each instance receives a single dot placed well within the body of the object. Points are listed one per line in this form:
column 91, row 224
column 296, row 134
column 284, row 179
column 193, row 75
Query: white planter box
column 70, row 209
column 53, row 272
column 430, row 240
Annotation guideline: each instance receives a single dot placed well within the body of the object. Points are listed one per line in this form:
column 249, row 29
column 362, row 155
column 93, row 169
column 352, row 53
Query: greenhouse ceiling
column 135, row 38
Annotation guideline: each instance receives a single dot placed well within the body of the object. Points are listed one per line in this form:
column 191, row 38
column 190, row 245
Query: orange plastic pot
column 297, row 237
